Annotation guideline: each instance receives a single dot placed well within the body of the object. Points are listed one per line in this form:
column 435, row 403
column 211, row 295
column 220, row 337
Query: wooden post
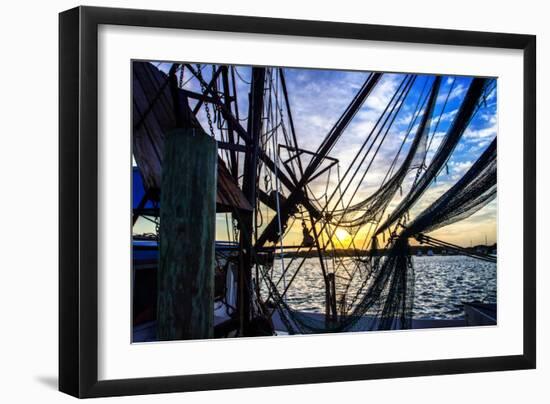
column 187, row 236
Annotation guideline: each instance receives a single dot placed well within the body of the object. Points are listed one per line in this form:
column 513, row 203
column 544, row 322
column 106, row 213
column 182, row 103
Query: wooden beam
column 197, row 96
column 209, row 87
column 232, row 146
column 187, row 236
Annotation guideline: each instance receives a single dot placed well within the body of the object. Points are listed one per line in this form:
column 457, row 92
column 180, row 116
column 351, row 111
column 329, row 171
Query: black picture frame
column 78, row 201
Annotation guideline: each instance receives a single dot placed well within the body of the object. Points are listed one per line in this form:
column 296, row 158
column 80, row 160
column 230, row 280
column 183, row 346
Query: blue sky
column 318, row 98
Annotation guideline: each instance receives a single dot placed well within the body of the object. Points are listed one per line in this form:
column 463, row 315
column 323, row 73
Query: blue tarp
column 138, row 191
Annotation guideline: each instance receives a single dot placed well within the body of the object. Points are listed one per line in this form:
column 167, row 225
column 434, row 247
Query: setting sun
column 341, row 234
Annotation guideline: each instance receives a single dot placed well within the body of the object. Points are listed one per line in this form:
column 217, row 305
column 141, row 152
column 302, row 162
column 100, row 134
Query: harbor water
column 441, row 282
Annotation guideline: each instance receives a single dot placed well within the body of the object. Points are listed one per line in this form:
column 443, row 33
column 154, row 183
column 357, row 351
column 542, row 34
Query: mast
column 255, row 109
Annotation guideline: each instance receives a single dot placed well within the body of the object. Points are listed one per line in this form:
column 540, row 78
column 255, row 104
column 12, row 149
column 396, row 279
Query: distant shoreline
column 414, row 250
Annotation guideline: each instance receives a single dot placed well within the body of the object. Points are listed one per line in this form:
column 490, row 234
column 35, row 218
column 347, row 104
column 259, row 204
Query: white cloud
column 483, row 133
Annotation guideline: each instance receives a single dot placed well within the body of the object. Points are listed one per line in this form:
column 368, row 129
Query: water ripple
column 442, row 283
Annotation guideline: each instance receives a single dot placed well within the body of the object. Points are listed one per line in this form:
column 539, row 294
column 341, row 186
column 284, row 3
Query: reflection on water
column 441, row 284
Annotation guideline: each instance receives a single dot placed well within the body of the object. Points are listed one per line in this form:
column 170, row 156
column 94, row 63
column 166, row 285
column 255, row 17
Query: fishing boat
column 198, row 155
column 145, row 267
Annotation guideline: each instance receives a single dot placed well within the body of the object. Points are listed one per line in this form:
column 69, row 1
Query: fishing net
column 385, row 299
column 461, row 121
column 372, row 208
column 474, row 190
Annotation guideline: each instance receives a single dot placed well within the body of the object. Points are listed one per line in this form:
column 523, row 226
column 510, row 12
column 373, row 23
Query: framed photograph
column 251, row 202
